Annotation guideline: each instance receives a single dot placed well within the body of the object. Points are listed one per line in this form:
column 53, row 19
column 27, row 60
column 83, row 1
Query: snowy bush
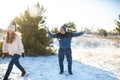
column 102, row 32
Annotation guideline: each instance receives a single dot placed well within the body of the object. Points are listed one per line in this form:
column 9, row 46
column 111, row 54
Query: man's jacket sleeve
column 52, row 35
column 77, row 34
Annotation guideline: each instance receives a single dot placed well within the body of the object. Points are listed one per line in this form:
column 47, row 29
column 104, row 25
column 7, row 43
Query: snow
column 94, row 58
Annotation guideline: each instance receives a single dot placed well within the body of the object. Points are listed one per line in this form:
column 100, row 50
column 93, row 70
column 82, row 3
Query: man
column 64, row 39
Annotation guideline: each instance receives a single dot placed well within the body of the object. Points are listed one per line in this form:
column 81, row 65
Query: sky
column 92, row 14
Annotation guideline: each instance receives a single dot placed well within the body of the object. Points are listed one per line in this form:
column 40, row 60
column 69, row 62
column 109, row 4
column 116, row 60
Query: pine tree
column 71, row 27
column 35, row 39
column 54, row 30
column 118, row 25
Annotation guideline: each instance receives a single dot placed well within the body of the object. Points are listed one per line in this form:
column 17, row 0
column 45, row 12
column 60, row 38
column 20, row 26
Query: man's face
column 62, row 31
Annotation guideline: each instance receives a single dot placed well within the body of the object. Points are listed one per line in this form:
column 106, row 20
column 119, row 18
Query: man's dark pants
column 62, row 53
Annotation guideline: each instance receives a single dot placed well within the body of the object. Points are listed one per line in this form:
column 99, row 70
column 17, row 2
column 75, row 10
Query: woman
column 13, row 46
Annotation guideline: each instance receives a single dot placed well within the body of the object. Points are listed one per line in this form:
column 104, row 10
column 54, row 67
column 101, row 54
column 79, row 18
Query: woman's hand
column 4, row 55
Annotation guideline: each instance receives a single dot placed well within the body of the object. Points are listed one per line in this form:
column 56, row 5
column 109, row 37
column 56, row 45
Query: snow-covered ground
column 94, row 58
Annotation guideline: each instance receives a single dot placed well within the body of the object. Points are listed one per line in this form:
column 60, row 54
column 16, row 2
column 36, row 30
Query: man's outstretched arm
column 49, row 33
column 77, row 34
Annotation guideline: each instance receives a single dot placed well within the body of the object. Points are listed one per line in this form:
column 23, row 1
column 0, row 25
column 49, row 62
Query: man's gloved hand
column 4, row 55
column 46, row 28
column 86, row 31
column 23, row 54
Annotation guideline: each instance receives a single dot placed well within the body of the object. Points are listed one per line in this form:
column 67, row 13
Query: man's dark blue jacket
column 65, row 39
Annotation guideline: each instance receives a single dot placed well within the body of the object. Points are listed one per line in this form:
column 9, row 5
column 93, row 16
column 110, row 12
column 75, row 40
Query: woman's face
column 62, row 31
column 10, row 31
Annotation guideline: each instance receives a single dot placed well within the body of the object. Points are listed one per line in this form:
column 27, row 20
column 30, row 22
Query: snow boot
column 6, row 76
column 61, row 72
column 70, row 71
column 23, row 72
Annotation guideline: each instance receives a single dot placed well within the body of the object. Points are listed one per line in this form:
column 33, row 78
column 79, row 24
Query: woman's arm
column 4, row 47
column 20, row 44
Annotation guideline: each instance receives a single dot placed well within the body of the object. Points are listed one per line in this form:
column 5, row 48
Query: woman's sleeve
column 4, row 47
column 20, row 44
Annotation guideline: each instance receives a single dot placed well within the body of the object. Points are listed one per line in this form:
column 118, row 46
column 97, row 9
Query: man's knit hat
column 64, row 27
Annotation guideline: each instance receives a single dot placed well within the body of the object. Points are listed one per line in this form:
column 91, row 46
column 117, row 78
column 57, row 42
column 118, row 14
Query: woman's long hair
column 10, row 37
